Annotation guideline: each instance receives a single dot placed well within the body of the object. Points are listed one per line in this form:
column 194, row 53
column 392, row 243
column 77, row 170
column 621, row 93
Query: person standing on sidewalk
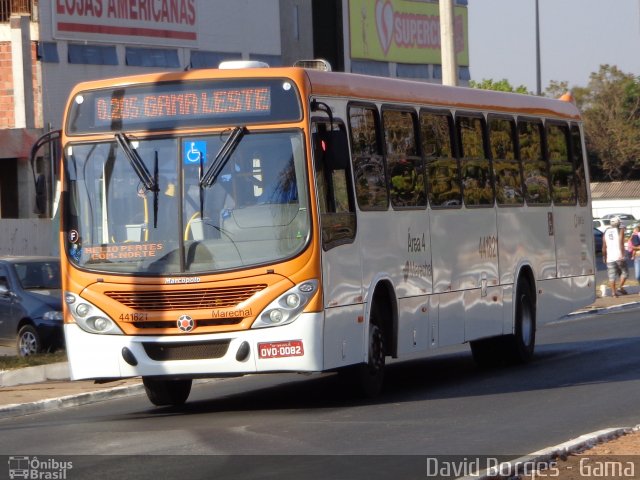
column 635, row 251
column 613, row 254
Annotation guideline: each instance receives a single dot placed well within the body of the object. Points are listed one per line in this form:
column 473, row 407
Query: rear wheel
column 517, row 347
column 522, row 343
column 167, row 392
column 28, row 342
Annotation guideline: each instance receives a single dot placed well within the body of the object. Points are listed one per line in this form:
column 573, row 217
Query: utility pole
column 538, row 75
column 447, row 44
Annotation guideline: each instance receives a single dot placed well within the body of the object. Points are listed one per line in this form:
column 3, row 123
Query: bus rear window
column 170, row 105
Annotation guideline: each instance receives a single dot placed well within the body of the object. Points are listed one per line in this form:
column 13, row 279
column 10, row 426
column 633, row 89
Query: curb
column 75, row 400
column 37, row 374
column 546, row 457
column 602, row 310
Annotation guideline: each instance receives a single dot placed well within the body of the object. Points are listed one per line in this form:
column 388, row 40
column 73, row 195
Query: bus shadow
column 559, row 365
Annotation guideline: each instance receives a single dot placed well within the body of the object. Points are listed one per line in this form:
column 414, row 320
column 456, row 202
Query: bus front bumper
column 296, row 347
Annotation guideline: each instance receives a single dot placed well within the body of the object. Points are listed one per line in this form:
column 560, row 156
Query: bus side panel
column 483, row 313
column 555, row 299
column 465, row 258
column 395, row 246
column 344, row 336
column 523, row 237
column 451, row 315
column 574, row 241
column 413, row 328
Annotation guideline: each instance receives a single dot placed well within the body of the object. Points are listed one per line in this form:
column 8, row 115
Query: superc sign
column 403, row 31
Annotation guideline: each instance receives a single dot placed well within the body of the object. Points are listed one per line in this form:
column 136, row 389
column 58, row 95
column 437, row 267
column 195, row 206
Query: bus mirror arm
column 317, row 106
column 39, row 181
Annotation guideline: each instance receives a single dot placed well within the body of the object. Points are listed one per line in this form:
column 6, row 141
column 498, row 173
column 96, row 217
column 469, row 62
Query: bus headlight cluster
column 288, row 306
column 89, row 317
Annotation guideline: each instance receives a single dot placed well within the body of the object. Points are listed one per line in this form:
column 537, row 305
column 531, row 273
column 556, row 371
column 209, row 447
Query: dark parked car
column 31, row 304
column 597, row 240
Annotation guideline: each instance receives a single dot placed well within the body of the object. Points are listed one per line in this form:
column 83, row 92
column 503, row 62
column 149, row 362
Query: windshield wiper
column 136, row 162
column 222, row 157
column 149, row 182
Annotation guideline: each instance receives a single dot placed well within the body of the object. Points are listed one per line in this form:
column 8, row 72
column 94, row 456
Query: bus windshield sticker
column 122, row 251
column 193, row 152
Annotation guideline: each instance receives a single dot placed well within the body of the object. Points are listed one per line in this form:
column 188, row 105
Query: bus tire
column 163, row 392
column 521, row 344
column 369, row 376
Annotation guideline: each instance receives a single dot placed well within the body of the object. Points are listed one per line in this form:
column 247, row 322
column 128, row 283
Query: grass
column 13, row 362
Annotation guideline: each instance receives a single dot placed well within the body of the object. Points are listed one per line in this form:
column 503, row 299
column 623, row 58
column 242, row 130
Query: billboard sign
column 147, row 22
column 403, row 31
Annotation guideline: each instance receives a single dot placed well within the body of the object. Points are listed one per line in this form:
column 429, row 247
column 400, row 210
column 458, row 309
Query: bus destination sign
column 175, row 105
column 193, row 103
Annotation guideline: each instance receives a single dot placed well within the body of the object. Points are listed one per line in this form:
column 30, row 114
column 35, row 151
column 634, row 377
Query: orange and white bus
column 250, row 220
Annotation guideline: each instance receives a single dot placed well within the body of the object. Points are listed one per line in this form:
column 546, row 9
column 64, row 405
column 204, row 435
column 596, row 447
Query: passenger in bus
column 613, row 254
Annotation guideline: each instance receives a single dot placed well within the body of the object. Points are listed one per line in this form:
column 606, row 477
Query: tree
column 501, row 86
column 611, row 113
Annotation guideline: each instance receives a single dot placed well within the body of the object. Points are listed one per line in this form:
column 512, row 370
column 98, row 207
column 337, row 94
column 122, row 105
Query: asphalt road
column 586, row 377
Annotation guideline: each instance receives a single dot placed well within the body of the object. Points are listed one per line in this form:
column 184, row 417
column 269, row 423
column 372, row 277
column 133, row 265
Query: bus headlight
column 288, row 306
column 89, row 317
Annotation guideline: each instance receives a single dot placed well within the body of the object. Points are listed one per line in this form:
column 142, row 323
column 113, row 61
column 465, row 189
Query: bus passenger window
column 406, row 169
column 477, row 180
column 443, row 173
column 507, row 168
column 562, row 173
column 368, row 163
column 579, row 165
column 536, row 176
column 333, row 185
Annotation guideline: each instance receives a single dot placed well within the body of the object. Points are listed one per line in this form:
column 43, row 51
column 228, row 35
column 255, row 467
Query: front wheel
column 167, row 392
column 367, row 378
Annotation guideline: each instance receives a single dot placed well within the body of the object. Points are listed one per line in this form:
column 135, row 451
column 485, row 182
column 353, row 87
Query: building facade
column 47, row 46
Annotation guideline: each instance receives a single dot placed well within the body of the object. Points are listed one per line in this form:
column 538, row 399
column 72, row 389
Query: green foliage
column 500, row 86
column 611, row 112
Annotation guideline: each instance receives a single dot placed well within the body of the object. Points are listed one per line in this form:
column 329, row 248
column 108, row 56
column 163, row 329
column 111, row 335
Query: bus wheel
column 522, row 343
column 370, row 376
column 167, row 392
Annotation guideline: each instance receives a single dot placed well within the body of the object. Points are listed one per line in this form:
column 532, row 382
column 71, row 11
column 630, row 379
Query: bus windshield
column 254, row 211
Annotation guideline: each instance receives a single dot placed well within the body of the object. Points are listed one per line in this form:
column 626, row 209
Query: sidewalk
column 37, row 389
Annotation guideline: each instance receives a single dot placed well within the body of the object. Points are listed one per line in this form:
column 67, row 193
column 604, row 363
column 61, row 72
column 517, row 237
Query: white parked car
column 601, row 223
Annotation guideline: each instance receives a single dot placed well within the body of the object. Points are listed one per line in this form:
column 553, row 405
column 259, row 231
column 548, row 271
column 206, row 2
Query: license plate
column 291, row 348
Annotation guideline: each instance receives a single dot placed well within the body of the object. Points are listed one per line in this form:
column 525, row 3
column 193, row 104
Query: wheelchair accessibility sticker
column 193, row 150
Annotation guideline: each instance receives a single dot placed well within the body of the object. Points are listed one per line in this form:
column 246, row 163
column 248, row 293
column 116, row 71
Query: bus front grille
column 202, row 298
column 199, row 323
column 163, row 352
